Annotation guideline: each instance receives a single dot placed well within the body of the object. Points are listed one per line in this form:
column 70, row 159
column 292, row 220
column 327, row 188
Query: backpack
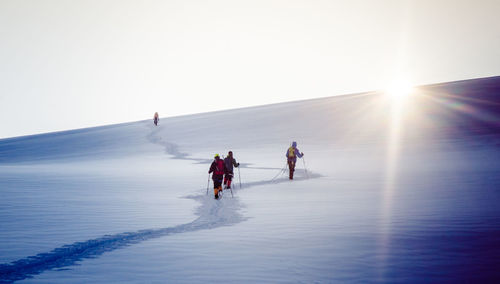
column 219, row 167
column 291, row 153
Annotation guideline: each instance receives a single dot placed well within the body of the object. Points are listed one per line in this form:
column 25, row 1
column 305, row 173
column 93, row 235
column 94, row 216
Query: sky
column 74, row 64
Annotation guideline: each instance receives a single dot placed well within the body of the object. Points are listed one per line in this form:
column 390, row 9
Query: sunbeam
column 397, row 100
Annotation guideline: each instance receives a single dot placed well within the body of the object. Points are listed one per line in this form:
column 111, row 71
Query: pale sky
column 73, row 64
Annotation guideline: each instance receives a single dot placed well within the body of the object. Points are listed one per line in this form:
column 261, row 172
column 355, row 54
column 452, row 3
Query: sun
column 399, row 89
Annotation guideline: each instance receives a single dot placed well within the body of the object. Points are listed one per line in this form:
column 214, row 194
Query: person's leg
column 229, row 179
column 217, row 185
column 291, row 166
column 289, row 169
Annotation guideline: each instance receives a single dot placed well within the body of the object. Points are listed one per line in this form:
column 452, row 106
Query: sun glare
column 399, row 89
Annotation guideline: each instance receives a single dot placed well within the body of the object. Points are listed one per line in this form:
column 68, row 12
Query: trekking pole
column 305, row 168
column 208, row 182
column 239, row 178
column 282, row 171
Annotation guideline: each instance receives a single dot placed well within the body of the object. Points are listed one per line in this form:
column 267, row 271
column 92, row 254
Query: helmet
column 294, row 144
column 216, row 156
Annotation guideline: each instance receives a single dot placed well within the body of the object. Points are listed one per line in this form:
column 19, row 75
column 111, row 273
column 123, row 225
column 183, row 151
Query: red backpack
column 219, row 167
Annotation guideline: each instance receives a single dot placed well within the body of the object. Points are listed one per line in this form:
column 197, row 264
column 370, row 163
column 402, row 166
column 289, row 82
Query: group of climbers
column 222, row 172
column 222, row 169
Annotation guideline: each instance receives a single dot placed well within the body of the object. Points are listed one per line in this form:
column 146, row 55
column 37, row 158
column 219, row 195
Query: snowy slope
column 128, row 203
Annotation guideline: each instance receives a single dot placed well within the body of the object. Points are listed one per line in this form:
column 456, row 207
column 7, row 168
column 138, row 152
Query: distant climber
column 229, row 162
column 218, row 168
column 156, row 119
column 291, row 155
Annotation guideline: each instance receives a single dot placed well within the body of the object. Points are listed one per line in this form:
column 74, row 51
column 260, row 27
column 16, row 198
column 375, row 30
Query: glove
column 237, row 165
column 302, row 154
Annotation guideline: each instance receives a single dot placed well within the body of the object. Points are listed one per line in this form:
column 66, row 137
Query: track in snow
column 211, row 214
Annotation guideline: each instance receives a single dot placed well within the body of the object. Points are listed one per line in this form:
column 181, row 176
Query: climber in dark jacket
column 229, row 162
column 218, row 168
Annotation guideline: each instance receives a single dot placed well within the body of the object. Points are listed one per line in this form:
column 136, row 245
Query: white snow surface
column 128, row 203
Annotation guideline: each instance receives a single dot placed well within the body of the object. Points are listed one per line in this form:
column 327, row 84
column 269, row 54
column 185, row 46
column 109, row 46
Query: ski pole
column 208, row 183
column 239, row 178
column 305, row 168
column 282, row 171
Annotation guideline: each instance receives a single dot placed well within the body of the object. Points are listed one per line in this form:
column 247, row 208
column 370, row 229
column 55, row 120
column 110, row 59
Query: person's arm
column 212, row 167
column 298, row 153
column 286, row 153
column 235, row 164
